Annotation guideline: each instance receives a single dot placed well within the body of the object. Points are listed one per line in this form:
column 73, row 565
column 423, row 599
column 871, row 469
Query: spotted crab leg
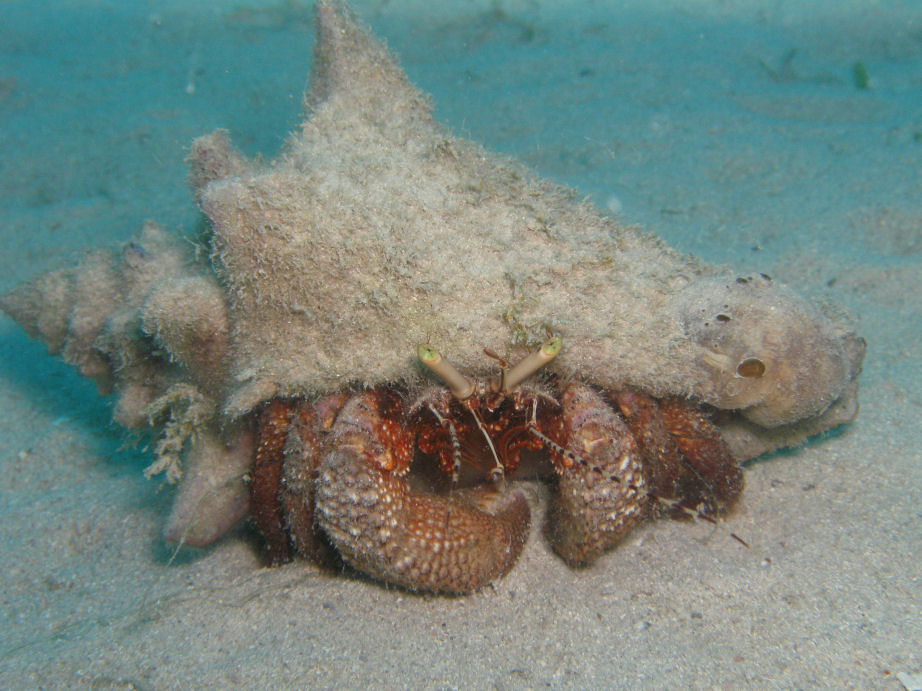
column 381, row 527
column 297, row 494
column 600, row 494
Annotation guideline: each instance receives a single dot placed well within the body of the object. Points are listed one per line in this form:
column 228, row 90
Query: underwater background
column 775, row 136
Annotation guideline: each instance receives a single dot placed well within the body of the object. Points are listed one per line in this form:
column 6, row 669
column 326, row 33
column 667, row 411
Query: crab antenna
column 531, row 363
column 460, row 386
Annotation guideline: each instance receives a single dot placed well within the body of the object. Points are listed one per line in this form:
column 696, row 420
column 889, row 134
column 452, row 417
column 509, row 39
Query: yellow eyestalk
column 460, row 386
column 531, row 363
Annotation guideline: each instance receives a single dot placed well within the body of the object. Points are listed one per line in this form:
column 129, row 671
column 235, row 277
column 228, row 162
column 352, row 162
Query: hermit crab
column 337, row 468
column 276, row 357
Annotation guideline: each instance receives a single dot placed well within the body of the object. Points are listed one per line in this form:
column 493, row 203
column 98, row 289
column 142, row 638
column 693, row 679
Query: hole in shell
column 751, row 368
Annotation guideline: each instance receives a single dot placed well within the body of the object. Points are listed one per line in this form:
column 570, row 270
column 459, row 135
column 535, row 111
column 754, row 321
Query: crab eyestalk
column 531, row 363
column 460, row 386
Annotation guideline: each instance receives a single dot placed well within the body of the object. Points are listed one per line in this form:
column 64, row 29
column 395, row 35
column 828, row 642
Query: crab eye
column 751, row 368
column 427, row 353
column 552, row 346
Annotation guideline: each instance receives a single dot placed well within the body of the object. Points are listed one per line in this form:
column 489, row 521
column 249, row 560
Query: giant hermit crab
column 338, row 467
column 288, row 340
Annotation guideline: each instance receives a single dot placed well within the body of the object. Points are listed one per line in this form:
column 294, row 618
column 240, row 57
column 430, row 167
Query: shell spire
column 354, row 74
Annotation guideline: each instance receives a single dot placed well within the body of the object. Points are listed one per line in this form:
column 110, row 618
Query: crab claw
column 385, row 529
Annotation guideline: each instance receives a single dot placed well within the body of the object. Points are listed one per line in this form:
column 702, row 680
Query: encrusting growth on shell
column 185, row 412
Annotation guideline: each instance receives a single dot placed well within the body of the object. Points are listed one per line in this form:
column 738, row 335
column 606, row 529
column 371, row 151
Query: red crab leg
column 689, row 459
column 266, row 479
column 643, row 418
column 288, row 437
column 380, row 526
column 701, row 443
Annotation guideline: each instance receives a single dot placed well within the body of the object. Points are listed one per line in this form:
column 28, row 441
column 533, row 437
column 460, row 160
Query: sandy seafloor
column 734, row 129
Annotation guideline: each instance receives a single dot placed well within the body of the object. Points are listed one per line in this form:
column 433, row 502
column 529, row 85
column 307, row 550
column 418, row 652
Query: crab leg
column 310, row 425
column 380, row 526
column 693, row 461
column 684, row 444
column 266, row 480
column 589, row 512
column 282, row 477
column 455, row 446
column 702, row 444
